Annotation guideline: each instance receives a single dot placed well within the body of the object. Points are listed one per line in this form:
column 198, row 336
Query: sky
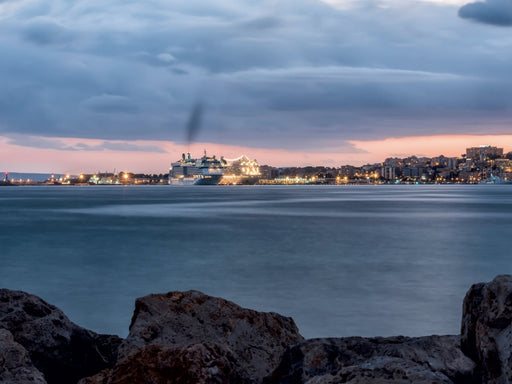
column 94, row 85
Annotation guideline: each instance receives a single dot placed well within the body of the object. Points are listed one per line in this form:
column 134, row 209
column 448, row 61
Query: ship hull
column 207, row 180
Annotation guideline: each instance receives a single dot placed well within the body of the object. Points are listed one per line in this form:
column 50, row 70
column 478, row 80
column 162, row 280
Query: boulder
column 486, row 334
column 201, row 363
column 431, row 359
column 232, row 343
column 15, row 364
column 61, row 350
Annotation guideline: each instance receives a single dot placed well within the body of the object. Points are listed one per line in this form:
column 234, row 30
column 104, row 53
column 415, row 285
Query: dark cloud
column 494, row 12
column 60, row 145
column 128, row 147
column 118, row 146
column 163, row 59
column 40, row 143
column 110, row 104
column 45, row 31
column 263, row 23
column 179, row 71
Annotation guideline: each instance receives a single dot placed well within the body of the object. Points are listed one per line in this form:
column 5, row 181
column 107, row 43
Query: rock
column 60, row 349
column 432, row 359
column 486, row 334
column 15, row 364
column 236, row 344
column 201, row 363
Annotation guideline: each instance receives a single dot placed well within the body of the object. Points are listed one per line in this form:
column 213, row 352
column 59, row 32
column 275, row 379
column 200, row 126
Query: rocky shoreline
column 193, row 338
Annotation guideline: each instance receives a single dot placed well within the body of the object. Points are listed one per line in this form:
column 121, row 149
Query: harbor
column 478, row 165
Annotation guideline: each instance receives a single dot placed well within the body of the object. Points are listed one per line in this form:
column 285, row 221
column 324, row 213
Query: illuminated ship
column 241, row 170
column 204, row 171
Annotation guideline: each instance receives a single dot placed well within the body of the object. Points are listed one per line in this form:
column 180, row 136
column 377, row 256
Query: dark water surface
column 349, row 260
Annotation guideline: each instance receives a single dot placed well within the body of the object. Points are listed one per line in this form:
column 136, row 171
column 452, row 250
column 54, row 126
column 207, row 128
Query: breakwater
column 190, row 337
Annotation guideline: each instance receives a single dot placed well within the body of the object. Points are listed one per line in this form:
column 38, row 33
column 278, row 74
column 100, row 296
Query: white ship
column 204, row 171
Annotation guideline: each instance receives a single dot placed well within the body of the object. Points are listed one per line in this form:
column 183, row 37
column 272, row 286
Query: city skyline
column 452, row 152
column 290, row 83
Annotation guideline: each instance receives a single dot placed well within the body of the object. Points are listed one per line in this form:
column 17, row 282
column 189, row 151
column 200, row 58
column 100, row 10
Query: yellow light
column 125, row 176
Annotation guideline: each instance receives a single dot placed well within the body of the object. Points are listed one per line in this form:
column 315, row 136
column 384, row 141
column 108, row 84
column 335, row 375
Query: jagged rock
column 218, row 332
column 431, row 359
column 486, row 334
column 60, row 349
column 15, row 364
column 201, row 363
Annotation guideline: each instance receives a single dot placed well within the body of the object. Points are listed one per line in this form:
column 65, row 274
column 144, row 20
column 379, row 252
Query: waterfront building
column 388, row 173
column 503, row 164
column 412, row 172
column 348, row 170
column 268, row 172
column 484, row 152
column 452, row 162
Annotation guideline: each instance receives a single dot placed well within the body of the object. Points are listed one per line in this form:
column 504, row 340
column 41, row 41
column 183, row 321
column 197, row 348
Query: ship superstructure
column 241, row 170
column 207, row 170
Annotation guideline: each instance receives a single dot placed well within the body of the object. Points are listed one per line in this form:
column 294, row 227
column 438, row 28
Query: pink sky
column 18, row 158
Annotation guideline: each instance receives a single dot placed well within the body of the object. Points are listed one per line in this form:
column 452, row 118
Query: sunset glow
column 16, row 158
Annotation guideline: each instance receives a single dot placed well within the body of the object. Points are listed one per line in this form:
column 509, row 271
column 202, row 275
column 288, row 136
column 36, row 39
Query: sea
column 374, row 260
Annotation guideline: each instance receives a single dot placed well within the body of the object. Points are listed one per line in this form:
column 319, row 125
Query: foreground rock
column 61, row 350
column 432, row 359
column 200, row 363
column 192, row 338
column 15, row 364
column 195, row 338
column 486, row 334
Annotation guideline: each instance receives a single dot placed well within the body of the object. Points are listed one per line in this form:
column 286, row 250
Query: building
column 348, row 170
column 484, row 152
column 452, row 162
column 412, row 172
column 388, row 173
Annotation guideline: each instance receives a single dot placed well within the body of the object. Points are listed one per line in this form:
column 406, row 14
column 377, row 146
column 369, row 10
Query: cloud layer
column 293, row 74
column 494, row 12
column 59, row 144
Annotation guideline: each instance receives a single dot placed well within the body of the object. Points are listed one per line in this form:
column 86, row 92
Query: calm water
column 350, row 260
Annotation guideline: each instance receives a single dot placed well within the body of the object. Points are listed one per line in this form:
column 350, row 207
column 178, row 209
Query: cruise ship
column 204, row 171
column 241, row 170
